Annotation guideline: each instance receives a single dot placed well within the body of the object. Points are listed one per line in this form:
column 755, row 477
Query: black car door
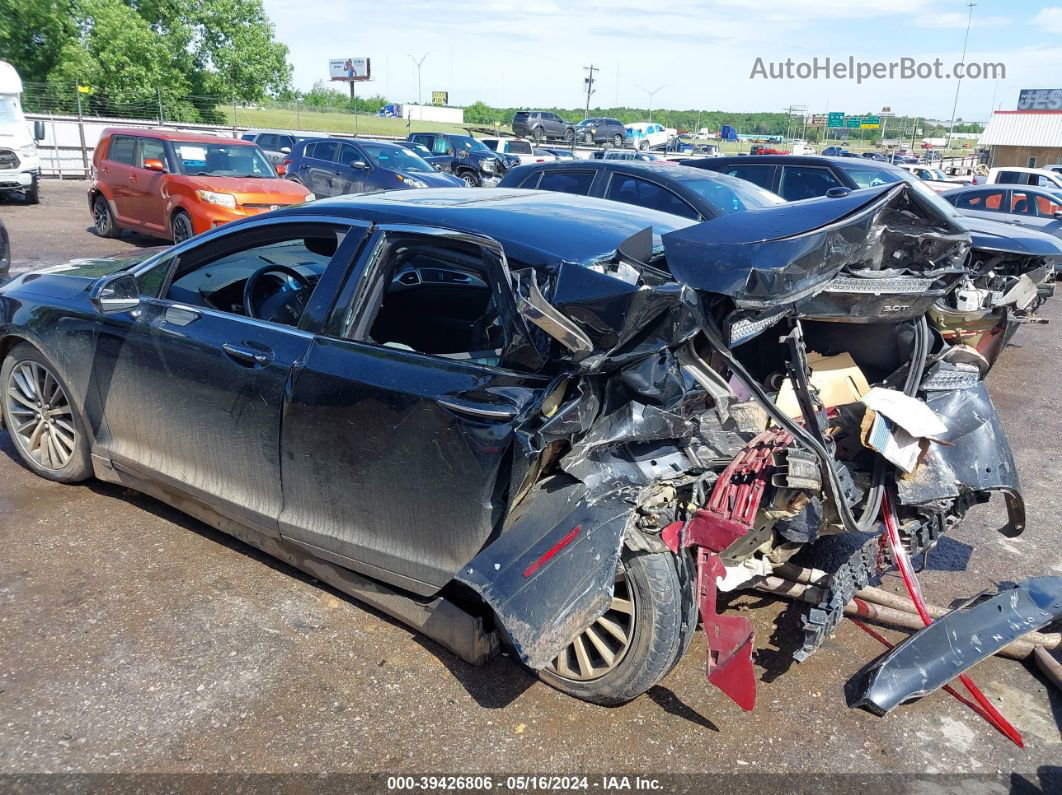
column 398, row 434
column 321, row 168
column 353, row 171
column 191, row 388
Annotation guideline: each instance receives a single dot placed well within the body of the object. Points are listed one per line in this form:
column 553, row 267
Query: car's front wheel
column 641, row 636
column 33, row 192
column 44, row 424
column 181, row 227
column 471, row 178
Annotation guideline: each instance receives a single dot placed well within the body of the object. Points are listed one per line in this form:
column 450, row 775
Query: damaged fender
column 550, row 575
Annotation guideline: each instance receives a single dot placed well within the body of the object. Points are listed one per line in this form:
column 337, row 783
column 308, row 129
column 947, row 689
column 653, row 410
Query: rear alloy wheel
column 181, row 227
column 569, row 137
column 643, row 145
column 645, row 630
column 41, row 419
column 617, row 141
column 538, row 134
column 102, row 219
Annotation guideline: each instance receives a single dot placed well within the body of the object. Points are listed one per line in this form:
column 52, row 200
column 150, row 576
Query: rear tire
column 659, row 588
column 45, row 426
column 103, row 219
column 643, row 145
column 569, row 137
column 617, row 141
column 538, row 134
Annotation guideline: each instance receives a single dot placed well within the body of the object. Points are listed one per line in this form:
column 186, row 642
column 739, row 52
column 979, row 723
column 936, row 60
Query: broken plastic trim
column 534, row 308
column 934, row 656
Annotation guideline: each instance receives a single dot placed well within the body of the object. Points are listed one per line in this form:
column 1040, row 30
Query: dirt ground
column 135, row 639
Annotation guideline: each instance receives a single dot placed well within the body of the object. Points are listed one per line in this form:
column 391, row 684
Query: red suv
column 174, row 185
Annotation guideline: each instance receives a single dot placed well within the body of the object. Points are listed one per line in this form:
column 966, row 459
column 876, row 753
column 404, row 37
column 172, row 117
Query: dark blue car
column 334, row 166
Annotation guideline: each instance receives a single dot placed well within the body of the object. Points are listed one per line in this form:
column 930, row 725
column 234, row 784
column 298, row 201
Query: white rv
column 20, row 165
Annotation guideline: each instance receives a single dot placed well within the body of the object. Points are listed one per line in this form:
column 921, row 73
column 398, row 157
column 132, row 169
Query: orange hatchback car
column 174, row 185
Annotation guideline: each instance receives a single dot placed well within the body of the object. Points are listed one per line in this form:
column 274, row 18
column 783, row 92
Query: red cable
column 892, row 534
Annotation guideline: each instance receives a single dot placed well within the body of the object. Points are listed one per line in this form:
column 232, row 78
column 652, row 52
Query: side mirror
column 38, row 130
column 281, row 169
column 285, row 150
column 116, row 293
column 154, row 164
column 360, row 164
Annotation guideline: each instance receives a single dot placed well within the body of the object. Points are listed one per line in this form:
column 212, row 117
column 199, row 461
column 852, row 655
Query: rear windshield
column 221, row 160
column 520, row 147
column 728, row 195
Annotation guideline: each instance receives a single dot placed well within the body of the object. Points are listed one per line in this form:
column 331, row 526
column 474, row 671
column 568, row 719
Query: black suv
column 470, row 159
column 543, row 125
column 600, row 130
column 275, row 145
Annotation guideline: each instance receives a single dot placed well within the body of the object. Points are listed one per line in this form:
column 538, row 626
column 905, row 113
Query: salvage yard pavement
column 137, row 639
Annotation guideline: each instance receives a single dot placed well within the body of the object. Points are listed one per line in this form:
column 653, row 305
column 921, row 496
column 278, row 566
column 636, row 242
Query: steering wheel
column 283, row 306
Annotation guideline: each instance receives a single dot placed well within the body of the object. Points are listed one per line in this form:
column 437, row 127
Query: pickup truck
column 470, row 160
column 520, row 148
column 1017, row 175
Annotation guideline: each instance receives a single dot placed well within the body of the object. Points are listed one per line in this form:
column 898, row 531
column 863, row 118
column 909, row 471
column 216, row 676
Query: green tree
column 33, row 33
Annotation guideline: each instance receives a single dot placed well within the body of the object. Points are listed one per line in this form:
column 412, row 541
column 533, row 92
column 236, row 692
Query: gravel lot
column 137, row 639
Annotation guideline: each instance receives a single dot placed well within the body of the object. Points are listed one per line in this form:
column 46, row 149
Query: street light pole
column 651, row 95
column 958, row 84
column 420, row 102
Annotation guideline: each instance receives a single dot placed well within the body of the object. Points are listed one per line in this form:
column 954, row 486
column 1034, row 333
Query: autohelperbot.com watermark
column 852, row 69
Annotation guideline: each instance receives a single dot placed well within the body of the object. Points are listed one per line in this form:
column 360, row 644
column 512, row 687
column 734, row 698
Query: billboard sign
column 440, row 97
column 1040, row 99
column 349, row 69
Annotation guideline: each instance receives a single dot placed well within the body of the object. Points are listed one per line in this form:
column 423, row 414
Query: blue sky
column 531, row 52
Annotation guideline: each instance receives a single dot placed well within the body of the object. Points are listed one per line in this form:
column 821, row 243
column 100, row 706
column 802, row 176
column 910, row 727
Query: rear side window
column 631, row 190
column 121, row 149
column 982, row 200
column 492, row 145
column 440, row 145
column 759, row 175
column 519, row 148
column 325, row 150
column 1012, row 177
column 805, row 182
column 577, row 182
column 267, row 141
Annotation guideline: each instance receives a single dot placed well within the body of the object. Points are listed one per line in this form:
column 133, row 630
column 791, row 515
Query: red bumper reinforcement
column 728, row 516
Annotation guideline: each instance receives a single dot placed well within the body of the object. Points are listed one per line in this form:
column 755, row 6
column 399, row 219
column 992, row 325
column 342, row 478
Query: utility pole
column 588, row 81
column 958, row 84
column 420, row 102
column 651, row 95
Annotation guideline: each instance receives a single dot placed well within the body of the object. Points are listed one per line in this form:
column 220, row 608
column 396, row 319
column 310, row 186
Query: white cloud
column 1050, row 20
column 957, row 19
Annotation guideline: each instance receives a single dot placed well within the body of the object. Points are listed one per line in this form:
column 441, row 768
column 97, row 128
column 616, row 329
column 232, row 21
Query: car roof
column 174, row 135
column 801, row 160
column 581, row 228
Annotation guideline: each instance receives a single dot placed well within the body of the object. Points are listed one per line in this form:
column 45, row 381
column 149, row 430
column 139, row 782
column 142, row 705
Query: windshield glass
column 468, row 144
column 221, row 160
column 420, row 149
column 395, row 158
column 587, row 122
column 9, row 109
column 726, row 195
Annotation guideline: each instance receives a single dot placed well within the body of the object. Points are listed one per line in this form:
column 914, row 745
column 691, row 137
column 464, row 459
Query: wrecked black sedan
column 549, row 423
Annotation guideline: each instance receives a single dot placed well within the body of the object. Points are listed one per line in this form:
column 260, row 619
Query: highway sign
column 835, row 119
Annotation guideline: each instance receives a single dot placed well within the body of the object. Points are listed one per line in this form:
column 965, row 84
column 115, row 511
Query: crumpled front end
column 757, row 384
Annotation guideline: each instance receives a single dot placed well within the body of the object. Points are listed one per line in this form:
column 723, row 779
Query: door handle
column 246, row 356
column 133, row 178
column 483, row 411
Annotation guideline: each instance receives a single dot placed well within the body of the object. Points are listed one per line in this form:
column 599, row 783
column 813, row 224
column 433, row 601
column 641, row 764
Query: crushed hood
column 776, row 255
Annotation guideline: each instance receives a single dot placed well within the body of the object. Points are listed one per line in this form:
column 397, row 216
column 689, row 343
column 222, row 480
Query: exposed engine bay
column 740, row 395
